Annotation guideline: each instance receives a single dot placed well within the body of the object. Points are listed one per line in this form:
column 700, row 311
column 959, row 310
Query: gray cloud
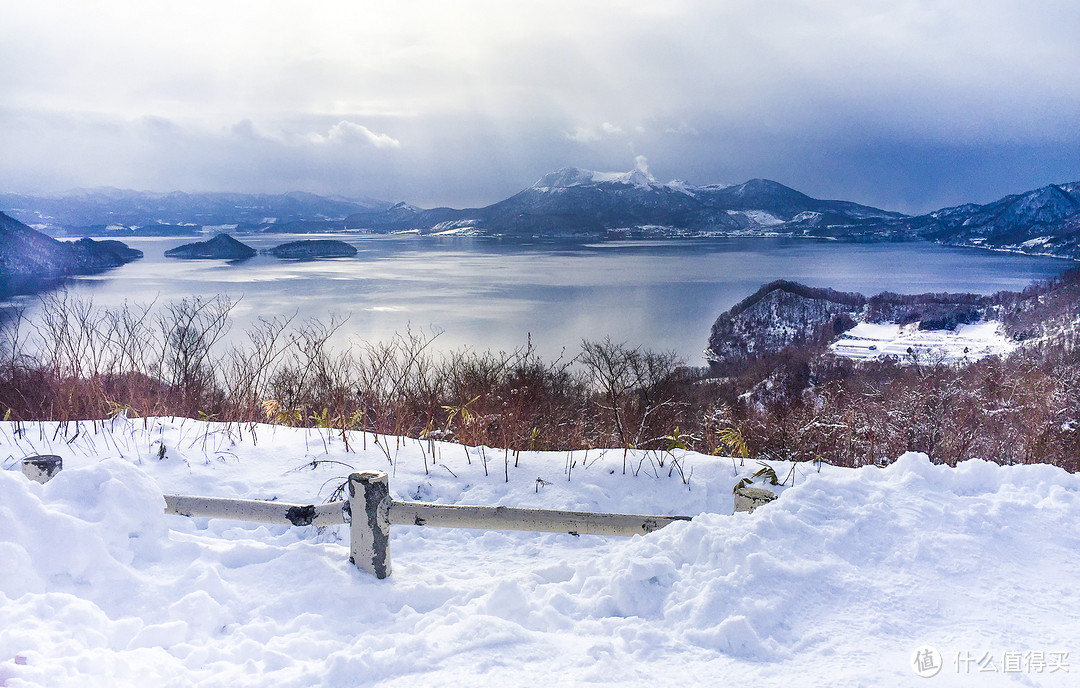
column 909, row 104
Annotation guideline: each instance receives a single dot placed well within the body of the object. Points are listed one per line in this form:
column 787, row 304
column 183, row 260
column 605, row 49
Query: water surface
column 494, row 294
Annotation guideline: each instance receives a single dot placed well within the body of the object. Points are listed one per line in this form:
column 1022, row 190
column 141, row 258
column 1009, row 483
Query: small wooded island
column 310, row 249
column 221, row 246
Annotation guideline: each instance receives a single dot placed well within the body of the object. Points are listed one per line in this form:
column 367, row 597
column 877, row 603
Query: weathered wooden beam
column 258, row 511
column 536, row 520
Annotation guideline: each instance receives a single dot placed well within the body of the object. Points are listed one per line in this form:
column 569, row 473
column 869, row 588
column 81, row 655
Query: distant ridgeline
column 97, row 212
column 574, row 202
column 30, row 260
column 785, row 314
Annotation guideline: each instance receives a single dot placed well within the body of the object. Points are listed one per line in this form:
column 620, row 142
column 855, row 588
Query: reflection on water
column 490, row 293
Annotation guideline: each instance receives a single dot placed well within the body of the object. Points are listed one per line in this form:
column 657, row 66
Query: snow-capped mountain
column 1045, row 220
column 576, row 201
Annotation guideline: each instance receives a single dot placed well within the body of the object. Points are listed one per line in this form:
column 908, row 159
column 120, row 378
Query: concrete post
column 369, row 529
column 750, row 498
column 42, row 468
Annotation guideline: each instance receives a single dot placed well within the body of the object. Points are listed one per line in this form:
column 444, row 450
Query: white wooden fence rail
column 535, row 520
column 370, row 512
column 256, row 511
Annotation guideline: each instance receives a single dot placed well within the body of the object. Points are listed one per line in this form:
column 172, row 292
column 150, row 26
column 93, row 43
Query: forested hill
column 787, row 314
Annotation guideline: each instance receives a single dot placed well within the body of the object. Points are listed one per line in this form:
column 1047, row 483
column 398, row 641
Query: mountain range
column 577, row 202
column 572, row 201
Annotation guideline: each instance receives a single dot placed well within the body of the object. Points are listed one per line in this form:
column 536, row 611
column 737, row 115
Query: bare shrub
column 68, row 359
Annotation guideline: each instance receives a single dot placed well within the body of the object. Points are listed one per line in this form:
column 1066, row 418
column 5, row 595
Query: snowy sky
column 904, row 104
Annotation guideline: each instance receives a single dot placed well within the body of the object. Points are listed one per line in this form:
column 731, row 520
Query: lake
column 494, row 294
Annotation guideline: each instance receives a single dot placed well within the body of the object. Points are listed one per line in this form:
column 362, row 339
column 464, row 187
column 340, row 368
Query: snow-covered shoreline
column 837, row 582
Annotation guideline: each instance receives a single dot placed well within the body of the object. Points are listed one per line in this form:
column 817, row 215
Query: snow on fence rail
column 370, row 512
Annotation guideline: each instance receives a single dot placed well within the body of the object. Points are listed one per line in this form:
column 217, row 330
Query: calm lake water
column 490, row 293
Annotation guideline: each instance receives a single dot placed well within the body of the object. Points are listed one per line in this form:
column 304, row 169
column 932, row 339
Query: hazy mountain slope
column 30, row 259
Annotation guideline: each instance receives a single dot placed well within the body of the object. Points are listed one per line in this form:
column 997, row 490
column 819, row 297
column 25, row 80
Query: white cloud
column 349, row 132
column 591, row 134
column 683, row 129
column 641, row 164
column 583, row 135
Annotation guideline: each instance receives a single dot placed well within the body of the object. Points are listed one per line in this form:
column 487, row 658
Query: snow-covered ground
column 836, row 583
column 973, row 341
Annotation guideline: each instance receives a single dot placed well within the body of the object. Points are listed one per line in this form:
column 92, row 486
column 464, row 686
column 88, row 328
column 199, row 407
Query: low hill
column 786, row 314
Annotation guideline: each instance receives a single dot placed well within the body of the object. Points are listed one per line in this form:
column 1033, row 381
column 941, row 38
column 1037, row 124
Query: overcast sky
column 909, row 105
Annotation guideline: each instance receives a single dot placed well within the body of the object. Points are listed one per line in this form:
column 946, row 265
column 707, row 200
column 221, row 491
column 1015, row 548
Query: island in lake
column 221, row 246
column 313, row 248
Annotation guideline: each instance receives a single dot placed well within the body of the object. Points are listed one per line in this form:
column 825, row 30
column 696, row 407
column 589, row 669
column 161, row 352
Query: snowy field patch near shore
column 867, row 341
column 838, row 582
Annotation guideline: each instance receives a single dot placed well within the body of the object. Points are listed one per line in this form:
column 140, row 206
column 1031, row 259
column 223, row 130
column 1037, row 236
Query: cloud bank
column 907, row 105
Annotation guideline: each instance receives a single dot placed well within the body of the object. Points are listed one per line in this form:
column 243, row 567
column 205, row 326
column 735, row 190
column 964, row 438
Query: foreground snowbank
column 835, row 583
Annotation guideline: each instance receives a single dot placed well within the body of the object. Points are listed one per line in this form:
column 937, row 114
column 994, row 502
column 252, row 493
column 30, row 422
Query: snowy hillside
column 1040, row 221
column 839, row 582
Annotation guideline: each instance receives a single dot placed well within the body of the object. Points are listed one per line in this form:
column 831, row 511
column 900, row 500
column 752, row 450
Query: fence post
column 42, row 468
column 369, row 529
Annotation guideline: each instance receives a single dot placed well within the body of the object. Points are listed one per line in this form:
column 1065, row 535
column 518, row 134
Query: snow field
column 835, row 583
column 971, row 341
